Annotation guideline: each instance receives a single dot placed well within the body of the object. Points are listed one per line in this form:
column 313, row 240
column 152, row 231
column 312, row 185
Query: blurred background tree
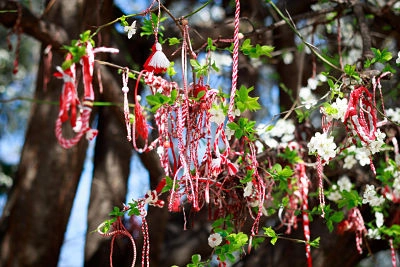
column 44, row 183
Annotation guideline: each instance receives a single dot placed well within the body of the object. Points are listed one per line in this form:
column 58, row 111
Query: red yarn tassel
column 157, row 61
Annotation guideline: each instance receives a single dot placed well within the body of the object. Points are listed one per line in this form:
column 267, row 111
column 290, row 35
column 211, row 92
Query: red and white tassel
column 157, row 61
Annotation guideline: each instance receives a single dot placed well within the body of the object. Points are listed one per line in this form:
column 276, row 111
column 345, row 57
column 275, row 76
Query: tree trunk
column 37, row 212
column 111, row 171
column 38, row 209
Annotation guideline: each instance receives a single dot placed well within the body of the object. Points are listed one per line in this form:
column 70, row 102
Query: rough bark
column 37, row 212
column 38, row 208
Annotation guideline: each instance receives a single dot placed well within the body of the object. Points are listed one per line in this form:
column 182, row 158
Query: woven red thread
column 69, row 100
column 393, row 253
column 361, row 114
column 119, row 230
column 145, row 232
column 321, row 185
column 260, row 186
column 139, row 125
column 356, row 223
column 376, row 82
column 235, row 62
column 303, row 187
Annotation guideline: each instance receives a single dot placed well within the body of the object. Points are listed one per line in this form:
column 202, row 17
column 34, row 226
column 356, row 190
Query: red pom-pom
column 157, row 61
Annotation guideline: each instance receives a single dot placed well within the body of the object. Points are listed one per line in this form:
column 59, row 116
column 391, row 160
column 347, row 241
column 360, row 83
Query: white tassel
column 157, row 61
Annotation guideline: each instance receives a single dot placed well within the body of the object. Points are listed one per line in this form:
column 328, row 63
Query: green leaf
column 268, row 231
column 315, row 242
column 200, row 70
column 210, row 45
column 157, row 100
column 302, row 115
column 168, row 184
column 85, row 36
column 246, row 47
column 171, row 70
column 116, row 212
column 248, row 177
column 196, row 258
column 173, row 41
column 350, row 199
column 133, row 209
column 264, row 50
column 337, row 216
column 243, row 127
column 147, row 27
column 255, row 52
column 244, row 101
column 67, row 64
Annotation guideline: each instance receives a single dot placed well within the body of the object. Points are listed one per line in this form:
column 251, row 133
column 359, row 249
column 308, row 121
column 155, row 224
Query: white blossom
column 398, row 58
column 379, row 219
column 349, row 162
column 248, row 190
column 344, row 183
column 283, row 130
column 287, row 57
column 308, row 99
column 340, row 105
column 323, row 145
column 393, row 114
column 396, row 185
column 214, row 240
column 334, row 196
column 217, row 115
column 321, row 77
column 373, row 234
column 362, row 155
column 160, row 151
column 131, row 30
column 5, row 180
column 312, row 83
column 229, row 132
column 376, row 145
column 370, row 197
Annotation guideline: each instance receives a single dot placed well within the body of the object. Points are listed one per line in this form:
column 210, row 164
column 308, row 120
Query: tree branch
column 43, row 31
column 364, row 31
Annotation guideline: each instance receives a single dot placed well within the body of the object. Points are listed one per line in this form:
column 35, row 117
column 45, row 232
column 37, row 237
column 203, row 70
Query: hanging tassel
column 157, row 61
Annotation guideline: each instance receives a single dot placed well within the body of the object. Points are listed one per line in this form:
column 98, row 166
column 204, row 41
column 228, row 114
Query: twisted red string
column 321, row 185
column 145, row 232
column 357, row 224
column 362, row 114
column 393, row 253
column 304, row 183
column 235, row 63
column 68, row 143
column 140, row 125
column 69, row 99
column 120, row 230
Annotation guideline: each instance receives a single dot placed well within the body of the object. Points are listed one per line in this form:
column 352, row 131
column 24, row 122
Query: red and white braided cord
column 145, row 232
column 393, row 253
column 235, row 63
column 68, row 143
column 357, row 220
column 321, row 185
column 120, row 231
column 304, row 182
